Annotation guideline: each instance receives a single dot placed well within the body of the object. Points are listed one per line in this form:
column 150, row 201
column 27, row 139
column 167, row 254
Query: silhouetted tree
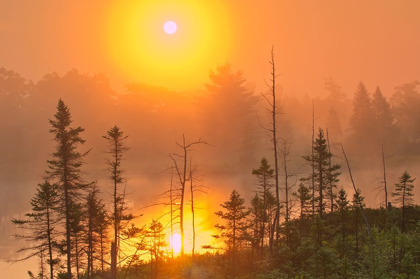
column 304, row 197
column 403, row 193
column 406, row 109
column 116, row 148
column 333, row 125
column 156, row 242
column 361, row 122
column 265, row 176
column 342, row 206
column 357, row 205
column 235, row 224
column 324, row 173
column 234, row 102
column 385, row 131
column 40, row 224
column 95, row 216
column 65, row 167
column 183, row 176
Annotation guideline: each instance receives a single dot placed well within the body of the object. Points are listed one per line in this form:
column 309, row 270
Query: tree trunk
column 50, row 244
column 313, row 163
column 329, row 174
column 385, row 186
column 192, row 210
column 276, row 221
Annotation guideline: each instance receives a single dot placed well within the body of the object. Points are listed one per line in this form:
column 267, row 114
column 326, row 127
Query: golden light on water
column 141, row 51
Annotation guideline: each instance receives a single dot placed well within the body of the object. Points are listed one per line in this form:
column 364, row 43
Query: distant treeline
column 322, row 233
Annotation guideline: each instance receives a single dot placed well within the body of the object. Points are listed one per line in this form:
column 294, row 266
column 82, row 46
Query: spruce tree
column 361, row 121
column 40, row 224
column 403, row 193
column 324, row 172
column 383, row 118
column 358, row 203
column 342, row 206
column 265, row 180
column 116, row 148
column 65, row 167
column 235, row 227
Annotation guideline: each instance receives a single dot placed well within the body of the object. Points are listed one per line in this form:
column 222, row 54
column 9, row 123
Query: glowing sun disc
column 170, row 27
column 176, row 242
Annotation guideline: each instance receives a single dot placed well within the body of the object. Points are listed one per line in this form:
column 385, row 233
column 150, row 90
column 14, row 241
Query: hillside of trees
column 299, row 213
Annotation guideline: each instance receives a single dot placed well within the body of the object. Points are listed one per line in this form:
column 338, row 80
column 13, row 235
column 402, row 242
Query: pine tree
column 358, row 203
column 323, row 172
column 95, row 214
column 116, row 148
column 342, row 206
column 403, row 193
column 303, row 195
column 265, row 177
column 40, row 224
column 383, row 118
column 235, row 227
column 156, row 242
column 65, row 167
column 333, row 125
column 361, row 121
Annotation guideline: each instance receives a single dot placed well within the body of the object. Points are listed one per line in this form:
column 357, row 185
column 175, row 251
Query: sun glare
column 143, row 45
column 176, row 242
column 170, row 27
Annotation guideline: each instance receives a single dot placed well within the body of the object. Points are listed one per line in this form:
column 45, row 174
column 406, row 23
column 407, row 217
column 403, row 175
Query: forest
column 116, row 184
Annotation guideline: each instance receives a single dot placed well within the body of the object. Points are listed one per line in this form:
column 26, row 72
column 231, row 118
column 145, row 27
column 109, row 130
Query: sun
column 170, row 27
column 175, row 41
column 176, row 242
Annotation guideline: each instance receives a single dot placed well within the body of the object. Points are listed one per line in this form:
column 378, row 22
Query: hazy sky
column 377, row 42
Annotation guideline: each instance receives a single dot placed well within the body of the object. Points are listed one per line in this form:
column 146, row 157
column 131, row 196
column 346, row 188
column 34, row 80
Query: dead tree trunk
column 355, row 190
column 385, row 186
column 182, row 176
column 172, row 216
column 313, row 163
column 192, row 209
column 329, row 175
column 274, row 110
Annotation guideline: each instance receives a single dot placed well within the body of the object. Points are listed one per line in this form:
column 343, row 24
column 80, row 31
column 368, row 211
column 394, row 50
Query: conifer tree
column 95, row 214
column 342, row 205
column 361, row 121
column 323, row 172
column 235, row 227
column 383, row 118
column 116, row 148
column 65, row 167
column 358, row 203
column 265, row 177
column 40, row 224
column 403, row 193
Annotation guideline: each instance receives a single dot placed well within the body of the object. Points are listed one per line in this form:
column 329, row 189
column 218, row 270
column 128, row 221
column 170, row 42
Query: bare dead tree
column 285, row 152
column 355, row 190
column 181, row 171
column 288, row 185
column 172, row 211
column 313, row 165
column 329, row 175
column 385, row 186
column 192, row 208
column 273, row 110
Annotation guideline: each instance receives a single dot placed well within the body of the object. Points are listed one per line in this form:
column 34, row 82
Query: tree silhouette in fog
column 227, row 111
column 65, row 167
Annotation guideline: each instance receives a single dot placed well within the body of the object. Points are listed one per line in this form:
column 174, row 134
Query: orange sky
column 377, row 41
